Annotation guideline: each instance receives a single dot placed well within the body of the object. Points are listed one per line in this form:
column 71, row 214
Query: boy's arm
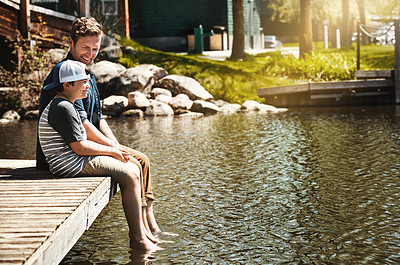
column 89, row 148
column 95, row 135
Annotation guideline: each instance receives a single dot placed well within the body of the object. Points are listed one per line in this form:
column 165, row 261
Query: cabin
column 47, row 23
column 168, row 25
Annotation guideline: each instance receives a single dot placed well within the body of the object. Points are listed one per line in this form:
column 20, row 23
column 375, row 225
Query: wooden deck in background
column 42, row 216
column 371, row 88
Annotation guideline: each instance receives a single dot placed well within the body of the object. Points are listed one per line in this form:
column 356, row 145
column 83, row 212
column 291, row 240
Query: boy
column 68, row 152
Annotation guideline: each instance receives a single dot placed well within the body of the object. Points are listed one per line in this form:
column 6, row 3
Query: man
column 84, row 45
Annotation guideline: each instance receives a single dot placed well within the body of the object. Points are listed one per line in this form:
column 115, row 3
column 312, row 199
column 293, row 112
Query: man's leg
column 148, row 192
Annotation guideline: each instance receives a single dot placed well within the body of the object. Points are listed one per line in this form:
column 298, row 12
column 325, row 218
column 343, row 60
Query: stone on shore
column 137, row 100
column 140, row 78
column 181, row 101
column 204, row 107
column 160, row 91
column 11, row 115
column 114, row 105
column 31, row 114
column 157, row 108
column 230, row 108
column 184, row 85
column 133, row 112
column 105, row 71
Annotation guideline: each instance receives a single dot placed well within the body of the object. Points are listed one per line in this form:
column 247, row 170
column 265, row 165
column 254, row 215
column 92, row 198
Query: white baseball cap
column 67, row 71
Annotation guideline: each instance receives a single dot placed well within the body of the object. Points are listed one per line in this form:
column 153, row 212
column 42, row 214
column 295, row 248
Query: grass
column 237, row 81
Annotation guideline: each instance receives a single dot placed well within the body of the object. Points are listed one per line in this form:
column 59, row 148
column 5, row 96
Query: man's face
column 85, row 49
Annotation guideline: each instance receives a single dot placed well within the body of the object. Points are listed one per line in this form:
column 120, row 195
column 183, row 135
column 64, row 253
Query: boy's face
column 85, row 49
column 80, row 88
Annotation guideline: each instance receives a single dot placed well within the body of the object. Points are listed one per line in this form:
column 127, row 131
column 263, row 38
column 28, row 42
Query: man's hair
column 85, row 26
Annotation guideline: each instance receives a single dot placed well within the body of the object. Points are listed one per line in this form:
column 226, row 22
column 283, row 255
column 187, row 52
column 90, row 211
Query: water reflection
column 310, row 186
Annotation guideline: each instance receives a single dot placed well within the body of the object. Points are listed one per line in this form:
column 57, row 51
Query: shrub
column 26, row 79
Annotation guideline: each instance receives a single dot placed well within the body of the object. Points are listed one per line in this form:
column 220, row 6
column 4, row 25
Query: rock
column 160, row 91
column 4, row 121
column 181, row 101
column 204, row 107
column 219, row 102
column 250, row 105
column 158, row 109
column 11, row 115
column 133, row 112
column 264, row 107
column 129, row 50
column 229, row 108
column 54, row 56
column 110, row 53
column 114, row 105
column 184, row 85
column 140, row 78
column 163, row 98
column 136, row 100
column 104, row 71
column 191, row 114
column 31, row 114
column 108, row 41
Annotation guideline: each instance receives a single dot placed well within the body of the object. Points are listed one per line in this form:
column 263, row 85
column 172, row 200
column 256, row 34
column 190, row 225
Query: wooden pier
column 371, row 88
column 42, row 216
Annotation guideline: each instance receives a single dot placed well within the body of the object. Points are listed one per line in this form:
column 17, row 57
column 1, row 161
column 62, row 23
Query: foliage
column 27, row 79
column 314, row 67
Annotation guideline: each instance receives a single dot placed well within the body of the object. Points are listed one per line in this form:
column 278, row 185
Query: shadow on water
column 309, row 186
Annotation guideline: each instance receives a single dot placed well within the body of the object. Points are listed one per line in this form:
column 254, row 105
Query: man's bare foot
column 144, row 244
column 151, row 237
column 165, row 234
column 151, row 220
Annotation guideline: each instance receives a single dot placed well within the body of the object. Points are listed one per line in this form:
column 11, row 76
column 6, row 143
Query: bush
column 318, row 67
column 27, row 78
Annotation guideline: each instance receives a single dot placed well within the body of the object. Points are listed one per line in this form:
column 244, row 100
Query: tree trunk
column 238, row 30
column 306, row 39
column 345, row 24
column 361, row 10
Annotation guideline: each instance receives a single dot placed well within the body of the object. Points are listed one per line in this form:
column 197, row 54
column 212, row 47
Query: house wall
column 165, row 24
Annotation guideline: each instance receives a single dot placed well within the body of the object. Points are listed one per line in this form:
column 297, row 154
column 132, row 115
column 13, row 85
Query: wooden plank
column 345, row 85
column 268, row 91
column 45, row 216
column 374, row 74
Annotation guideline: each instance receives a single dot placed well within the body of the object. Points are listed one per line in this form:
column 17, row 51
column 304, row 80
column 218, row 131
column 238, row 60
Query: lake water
column 307, row 186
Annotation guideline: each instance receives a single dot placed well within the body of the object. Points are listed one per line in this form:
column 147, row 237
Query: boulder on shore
column 204, row 107
column 157, row 108
column 184, row 85
column 114, row 105
column 140, row 78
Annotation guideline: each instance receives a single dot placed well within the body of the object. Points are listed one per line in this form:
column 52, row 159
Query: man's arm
column 95, row 135
column 105, row 129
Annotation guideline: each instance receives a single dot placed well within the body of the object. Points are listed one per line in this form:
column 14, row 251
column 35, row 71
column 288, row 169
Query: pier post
column 397, row 61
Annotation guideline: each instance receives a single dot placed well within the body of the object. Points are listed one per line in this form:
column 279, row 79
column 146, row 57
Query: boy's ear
column 66, row 85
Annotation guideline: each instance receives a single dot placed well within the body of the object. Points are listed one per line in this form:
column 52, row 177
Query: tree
column 345, row 38
column 238, row 30
column 306, row 40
